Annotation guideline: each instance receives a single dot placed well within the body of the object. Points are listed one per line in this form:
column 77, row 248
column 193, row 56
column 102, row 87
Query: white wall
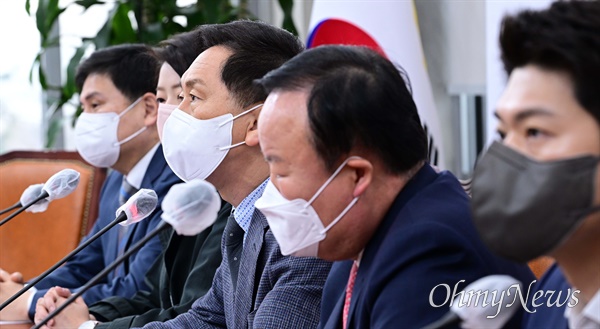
column 20, row 100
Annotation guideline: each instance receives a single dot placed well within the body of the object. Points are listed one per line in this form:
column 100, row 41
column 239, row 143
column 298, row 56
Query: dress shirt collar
column 244, row 211
column 137, row 173
column 585, row 315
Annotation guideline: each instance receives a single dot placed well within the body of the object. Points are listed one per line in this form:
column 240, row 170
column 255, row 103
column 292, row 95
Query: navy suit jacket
column 427, row 238
column 102, row 252
column 271, row 290
column 554, row 316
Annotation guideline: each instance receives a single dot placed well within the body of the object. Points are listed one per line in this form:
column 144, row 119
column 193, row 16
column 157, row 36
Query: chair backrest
column 32, row 242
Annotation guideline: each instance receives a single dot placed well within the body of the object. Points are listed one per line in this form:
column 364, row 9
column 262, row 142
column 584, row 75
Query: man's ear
column 363, row 170
column 252, row 130
column 151, row 109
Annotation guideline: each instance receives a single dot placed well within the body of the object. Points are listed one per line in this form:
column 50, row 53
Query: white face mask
column 194, row 148
column 97, row 141
column 164, row 112
column 295, row 223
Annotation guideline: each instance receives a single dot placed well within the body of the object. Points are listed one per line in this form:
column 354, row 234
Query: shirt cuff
column 31, row 295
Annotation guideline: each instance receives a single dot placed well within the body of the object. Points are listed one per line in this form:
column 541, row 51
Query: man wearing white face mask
column 116, row 130
column 185, row 270
column 213, row 136
column 350, row 183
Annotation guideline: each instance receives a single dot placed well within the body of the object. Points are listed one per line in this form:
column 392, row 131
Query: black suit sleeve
column 194, row 275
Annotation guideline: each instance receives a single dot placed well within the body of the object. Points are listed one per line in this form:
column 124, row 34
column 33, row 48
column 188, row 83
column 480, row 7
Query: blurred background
column 37, row 107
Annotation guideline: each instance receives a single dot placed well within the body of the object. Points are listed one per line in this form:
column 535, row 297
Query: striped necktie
column 349, row 289
column 127, row 190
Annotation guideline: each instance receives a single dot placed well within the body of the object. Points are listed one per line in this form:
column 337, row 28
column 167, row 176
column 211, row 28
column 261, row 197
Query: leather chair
column 32, row 242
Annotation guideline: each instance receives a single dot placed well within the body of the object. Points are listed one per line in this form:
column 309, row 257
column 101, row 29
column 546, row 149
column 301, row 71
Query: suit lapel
column 155, row 168
column 245, row 283
column 335, row 320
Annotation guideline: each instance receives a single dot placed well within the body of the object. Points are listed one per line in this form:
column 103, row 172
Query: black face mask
column 524, row 208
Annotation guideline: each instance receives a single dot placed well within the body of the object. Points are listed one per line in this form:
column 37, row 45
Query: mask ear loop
column 223, row 148
column 135, row 134
column 239, row 115
column 332, row 177
column 340, row 216
column 128, row 108
column 132, row 136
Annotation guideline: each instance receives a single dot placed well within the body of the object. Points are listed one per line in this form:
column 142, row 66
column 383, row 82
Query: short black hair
column 133, row 69
column 358, row 99
column 181, row 49
column 564, row 37
column 257, row 48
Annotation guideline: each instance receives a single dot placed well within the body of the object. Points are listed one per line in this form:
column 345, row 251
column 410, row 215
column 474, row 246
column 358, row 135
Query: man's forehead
column 211, row 59
column 285, row 107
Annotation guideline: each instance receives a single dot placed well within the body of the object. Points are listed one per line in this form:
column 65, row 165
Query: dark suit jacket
column 427, row 238
column 102, row 252
column 182, row 274
column 271, row 290
column 544, row 316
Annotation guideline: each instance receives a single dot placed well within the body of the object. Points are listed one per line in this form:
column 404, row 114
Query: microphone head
column 31, row 193
column 61, row 184
column 492, row 311
column 138, row 207
column 191, row 207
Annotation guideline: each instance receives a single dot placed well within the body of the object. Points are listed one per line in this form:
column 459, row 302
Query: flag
column 390, row 28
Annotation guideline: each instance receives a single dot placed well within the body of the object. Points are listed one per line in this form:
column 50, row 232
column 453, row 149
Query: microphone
column 487, row 313
column 191, row 207
column 138, row 207
column 58, row 186
column 181, row 206
column 14, row 206
column 30, row 193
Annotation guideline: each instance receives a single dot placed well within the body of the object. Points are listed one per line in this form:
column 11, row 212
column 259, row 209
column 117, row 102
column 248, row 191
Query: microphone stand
column 43, row 195
column 122, row 216
column 162, row 226
column 14, row 206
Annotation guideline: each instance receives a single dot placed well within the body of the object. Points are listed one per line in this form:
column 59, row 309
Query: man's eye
column 180, row 97
column 533, row 132
column 193, row 98
column 161, row 100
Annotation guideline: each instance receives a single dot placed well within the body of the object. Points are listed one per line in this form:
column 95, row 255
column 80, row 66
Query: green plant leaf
column 102, row 39
column 288, row 21
column 36, row 62
column 88, row 3
column 153, row 33
column 211, row 10
column 46, row 15
column 42, row 75
column 70, row 88
column 121, row 30
column 27, row 7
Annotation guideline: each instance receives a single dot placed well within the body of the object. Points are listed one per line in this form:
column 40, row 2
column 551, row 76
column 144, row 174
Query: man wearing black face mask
column 536, row 192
